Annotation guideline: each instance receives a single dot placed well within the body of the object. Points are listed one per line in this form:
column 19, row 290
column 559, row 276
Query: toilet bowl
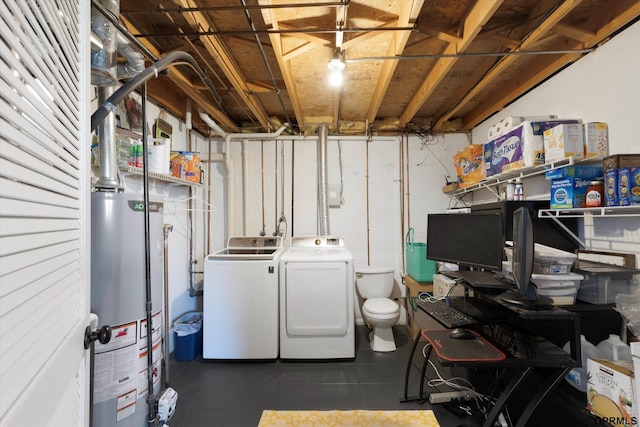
column 375, row 285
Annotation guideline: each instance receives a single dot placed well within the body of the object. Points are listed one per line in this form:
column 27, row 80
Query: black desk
column 519, row 334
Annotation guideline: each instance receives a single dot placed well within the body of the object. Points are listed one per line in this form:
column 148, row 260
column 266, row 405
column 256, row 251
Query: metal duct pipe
column 135, row 59
column 108, row 177
column 323, row 199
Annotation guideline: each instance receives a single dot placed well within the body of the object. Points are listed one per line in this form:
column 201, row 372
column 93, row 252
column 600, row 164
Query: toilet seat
column 380, row 308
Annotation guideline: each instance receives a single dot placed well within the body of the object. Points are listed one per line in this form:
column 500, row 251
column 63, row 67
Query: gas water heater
column 118, row 297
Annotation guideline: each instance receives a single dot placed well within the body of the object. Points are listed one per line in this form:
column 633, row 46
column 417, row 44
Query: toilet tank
column 374, row 282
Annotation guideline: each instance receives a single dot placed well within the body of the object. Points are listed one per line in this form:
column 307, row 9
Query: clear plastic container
column 614, row 349
column 601, row 289
column 577, row 377
column 547, row 260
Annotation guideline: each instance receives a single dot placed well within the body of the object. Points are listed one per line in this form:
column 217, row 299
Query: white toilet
column 375, row 285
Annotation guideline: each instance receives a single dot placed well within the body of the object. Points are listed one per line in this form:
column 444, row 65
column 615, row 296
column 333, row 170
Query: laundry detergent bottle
column 577, row 377
column 613, row 348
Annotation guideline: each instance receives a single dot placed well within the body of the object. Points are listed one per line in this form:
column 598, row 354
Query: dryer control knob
column 318, row 242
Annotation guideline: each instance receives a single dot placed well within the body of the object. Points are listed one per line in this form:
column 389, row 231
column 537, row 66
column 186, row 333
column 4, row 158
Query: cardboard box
column 568, row 193
column 622, row 179
column 584, row 172
column 413, row 290
column 611, row 187
column 610, row 391
column 562, row 141
column 596, row 139
column 619, row 161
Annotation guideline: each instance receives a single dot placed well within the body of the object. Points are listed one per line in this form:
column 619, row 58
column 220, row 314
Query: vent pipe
column 323, row 199
column 105, row 73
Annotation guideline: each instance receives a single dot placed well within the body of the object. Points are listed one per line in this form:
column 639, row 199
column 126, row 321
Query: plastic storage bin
column 601, row 289
column 562, row 288
column 547, row 260
column 188, row 330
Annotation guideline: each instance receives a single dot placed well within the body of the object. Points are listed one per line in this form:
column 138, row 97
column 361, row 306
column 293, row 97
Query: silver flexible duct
column 323, row 198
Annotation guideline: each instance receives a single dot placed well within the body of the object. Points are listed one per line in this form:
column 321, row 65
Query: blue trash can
column 188, row 330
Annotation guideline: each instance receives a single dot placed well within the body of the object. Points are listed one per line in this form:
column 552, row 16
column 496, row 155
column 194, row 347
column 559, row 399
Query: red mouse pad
column 456, row 350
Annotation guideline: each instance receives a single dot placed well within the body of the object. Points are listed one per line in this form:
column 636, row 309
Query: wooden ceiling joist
column 608, row 21
column 270, row 19
column 477, row 17
column 225, row 61
column 539, row 31
column 399, row 40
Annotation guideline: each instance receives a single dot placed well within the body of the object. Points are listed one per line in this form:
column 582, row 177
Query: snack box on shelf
column 596, row 139
column 622, row 179
column 563, row 140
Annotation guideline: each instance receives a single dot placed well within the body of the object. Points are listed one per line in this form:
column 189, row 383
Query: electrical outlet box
column 334, row 195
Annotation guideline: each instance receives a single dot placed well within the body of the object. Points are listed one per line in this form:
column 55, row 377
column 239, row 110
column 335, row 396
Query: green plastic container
column 418, row 266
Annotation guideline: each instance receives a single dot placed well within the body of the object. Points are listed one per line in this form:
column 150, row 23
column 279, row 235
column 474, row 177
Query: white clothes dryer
column 240, row 299
column 316, row 299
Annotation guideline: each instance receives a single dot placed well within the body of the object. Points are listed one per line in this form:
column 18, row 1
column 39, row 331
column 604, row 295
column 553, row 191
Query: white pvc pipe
column 228, row 137
column 245, row 186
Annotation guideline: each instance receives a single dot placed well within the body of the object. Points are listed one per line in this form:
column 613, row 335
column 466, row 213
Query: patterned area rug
column 416, row 418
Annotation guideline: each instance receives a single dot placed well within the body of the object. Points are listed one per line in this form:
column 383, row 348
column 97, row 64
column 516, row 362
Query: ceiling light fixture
column 336, row 66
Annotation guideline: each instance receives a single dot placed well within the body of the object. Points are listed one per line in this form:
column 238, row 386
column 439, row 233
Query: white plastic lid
column 380, row 306
column 557, row 277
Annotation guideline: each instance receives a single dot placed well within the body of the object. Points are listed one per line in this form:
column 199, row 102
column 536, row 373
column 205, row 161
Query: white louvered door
column 44, row 212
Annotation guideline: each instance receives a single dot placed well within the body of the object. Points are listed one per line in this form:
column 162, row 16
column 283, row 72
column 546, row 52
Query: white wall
column 602, row 86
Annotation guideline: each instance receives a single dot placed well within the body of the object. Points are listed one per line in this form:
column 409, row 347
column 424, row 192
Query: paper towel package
column 562, row 141
column 523, row 146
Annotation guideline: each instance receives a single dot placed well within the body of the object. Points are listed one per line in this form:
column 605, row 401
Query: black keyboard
column 445, row 314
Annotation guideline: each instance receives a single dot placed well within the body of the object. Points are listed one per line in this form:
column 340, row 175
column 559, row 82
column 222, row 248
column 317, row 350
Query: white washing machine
column 240, row 300
column 316, row 299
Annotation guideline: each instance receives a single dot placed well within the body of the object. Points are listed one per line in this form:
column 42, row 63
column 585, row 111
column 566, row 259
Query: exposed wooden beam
column 477, row 17
column 363, row 37
column 573, row 32
column 538, row 32
column 408, row 16
column 603, row 22
column 440, row 35
column 223, row 58
column 270, row 19
column 184, row 83
column 311, row 38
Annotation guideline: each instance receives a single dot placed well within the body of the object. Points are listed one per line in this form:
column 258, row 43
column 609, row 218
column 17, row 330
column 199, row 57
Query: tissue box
column 610, row 391
column 565, row 140
column 568, row 193
column 596, row 139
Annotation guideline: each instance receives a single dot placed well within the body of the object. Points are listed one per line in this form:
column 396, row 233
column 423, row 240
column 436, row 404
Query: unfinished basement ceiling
column 433, row 65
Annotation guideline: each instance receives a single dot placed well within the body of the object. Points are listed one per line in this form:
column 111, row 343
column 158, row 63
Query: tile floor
column 234, row 394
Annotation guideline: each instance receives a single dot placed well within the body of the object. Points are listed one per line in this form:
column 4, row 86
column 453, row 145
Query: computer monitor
column 472, row 240
column 525, row 294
